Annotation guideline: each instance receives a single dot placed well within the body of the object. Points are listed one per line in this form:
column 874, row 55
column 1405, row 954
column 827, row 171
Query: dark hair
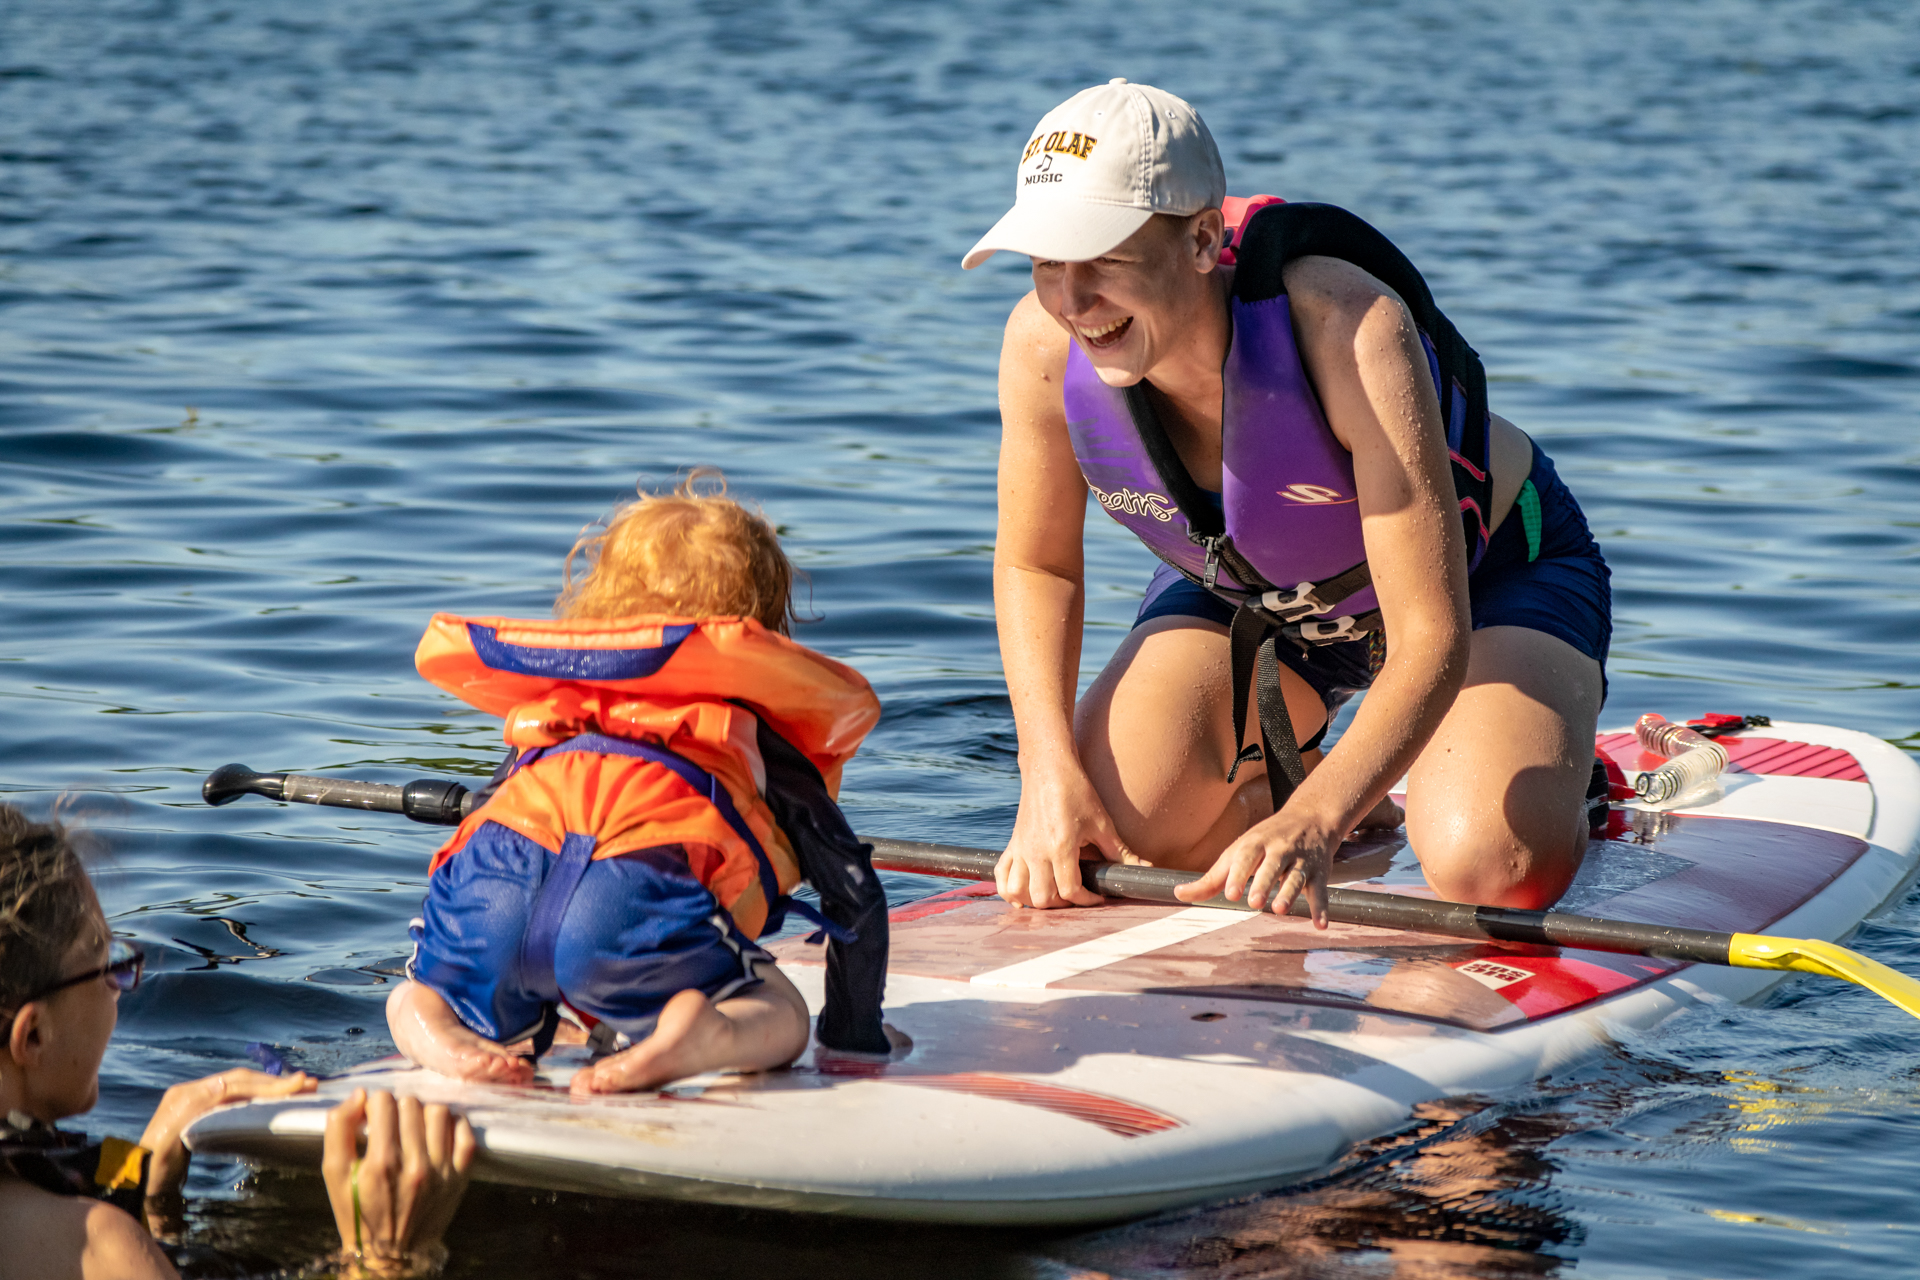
column 46, row 901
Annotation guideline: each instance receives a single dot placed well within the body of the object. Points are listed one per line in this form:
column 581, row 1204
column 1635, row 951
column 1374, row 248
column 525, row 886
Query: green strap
column 353, row 1179
column 1529, row 504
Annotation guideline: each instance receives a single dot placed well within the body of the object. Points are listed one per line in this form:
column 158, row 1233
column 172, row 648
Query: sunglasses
column 124, row 966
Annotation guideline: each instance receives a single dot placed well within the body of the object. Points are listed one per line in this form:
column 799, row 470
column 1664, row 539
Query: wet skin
column 765, row 1027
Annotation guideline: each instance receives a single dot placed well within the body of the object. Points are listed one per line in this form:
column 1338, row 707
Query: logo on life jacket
column 1317, row 495
column 1131, row 502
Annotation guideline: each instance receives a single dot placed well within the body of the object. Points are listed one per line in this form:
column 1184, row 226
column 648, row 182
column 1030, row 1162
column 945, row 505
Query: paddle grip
column 430, row 800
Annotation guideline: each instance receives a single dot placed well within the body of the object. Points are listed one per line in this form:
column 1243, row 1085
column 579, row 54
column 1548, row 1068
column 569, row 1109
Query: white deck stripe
column 1139, row 940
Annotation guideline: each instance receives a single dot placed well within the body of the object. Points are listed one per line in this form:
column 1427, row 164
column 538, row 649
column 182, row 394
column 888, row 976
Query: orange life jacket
column 640, row 732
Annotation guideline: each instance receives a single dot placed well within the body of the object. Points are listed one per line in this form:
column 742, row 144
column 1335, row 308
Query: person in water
column 70, row 1207
column 674, row 763
column 1291, row 424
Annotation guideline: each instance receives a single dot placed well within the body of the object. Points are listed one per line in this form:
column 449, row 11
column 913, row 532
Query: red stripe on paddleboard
column 942, row 902
column 1767, row 757
column 1773, row 758
column 1796, row 760
column 1845, row 769
column 1126, row 1119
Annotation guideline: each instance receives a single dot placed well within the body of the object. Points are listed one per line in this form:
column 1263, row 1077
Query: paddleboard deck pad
column 1088, row 1065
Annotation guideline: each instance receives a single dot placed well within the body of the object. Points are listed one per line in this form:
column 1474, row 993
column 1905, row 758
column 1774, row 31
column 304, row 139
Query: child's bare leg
column 766, row 1027
column 426, row 1029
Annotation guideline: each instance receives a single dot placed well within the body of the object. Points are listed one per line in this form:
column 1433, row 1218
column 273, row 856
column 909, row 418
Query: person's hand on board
column 1060, row 814
column 393, row 1204
column 1273, row 863
column 181, row 1105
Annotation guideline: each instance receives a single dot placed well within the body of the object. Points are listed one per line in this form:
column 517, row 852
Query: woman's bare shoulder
column 50, row 1235
column 120, row 1248
column 1035, row 342
column 67, row 1236
column 1329, row 287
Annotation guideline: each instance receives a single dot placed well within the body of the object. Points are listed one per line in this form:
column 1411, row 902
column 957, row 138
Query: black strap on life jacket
column 66, row 1164
column 840, row 868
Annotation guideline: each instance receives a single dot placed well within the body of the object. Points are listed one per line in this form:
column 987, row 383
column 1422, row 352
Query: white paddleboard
column 1087, row 1065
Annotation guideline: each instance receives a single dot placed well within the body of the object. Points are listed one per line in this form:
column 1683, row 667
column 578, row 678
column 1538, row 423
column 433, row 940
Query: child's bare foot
column 427, row 1030
column 766, row 1027
column 691, row 1036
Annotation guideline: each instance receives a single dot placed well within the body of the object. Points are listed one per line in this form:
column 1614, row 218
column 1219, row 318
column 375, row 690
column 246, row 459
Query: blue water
column 317, row 318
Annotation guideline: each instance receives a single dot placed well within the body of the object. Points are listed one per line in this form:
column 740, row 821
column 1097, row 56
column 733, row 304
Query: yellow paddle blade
column 1808, row 955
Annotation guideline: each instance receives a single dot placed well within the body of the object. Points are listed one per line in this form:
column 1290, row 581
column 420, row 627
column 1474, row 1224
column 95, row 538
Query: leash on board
column 441, row 803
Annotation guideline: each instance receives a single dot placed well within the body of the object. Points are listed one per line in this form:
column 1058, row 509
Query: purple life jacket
column 1282, row 540
column 1283, row 536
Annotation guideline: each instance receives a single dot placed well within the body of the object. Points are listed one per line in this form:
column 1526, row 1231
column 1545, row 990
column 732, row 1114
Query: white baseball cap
column 1098, row 166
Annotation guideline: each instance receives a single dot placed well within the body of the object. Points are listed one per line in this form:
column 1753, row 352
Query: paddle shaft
column 446, row 803
column 1351, row 907
column 442, row 803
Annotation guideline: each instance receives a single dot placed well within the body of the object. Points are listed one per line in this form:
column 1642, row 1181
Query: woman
column 67, row 1207
column 1303, row 438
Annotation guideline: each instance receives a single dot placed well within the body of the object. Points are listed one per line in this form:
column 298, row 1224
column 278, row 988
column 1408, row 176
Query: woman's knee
column 1479, row 853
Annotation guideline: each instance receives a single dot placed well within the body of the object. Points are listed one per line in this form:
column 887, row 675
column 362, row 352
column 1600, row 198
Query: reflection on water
column 1498, row 1189
column 316, row 319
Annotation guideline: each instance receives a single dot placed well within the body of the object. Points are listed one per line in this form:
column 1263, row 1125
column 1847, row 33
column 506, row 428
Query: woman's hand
column 1060, row 814
column 1272, row 864
column 393, row 1204
column 185, row 1103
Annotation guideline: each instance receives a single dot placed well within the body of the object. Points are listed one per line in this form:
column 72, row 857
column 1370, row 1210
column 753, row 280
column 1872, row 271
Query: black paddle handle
column 430, row 800
column 1353, row 907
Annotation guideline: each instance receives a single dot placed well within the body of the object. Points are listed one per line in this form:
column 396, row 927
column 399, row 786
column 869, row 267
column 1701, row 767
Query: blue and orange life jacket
column 713, row 734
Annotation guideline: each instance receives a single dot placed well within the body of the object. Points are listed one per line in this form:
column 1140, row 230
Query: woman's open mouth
column 1106, row 336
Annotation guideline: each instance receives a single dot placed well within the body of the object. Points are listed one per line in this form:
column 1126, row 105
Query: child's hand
column 392, row 1205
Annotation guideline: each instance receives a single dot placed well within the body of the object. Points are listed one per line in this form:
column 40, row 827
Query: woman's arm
column 1364, row 355
column 1039, row 600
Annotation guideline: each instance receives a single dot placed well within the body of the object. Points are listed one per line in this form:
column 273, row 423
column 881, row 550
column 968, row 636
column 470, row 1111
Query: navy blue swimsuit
column 1550, row 578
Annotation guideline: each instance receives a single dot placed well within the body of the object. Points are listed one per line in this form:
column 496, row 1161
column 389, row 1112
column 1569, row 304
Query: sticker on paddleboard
column 1492, row 974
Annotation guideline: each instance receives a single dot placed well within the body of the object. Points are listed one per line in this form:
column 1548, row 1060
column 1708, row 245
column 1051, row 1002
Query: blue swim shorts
column 637, row 930
column 1542, row 570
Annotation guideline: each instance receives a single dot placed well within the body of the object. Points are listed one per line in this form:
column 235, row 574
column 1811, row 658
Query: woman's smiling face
column 1130, row 308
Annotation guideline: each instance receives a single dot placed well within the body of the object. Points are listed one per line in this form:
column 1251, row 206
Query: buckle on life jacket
column 1211, row 573
column 1335, row 631
column 1301, row 602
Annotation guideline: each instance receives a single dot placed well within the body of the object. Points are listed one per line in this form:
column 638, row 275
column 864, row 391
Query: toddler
column 674, row 763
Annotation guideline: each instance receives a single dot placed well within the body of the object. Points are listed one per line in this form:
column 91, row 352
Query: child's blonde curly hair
column 690, row 553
